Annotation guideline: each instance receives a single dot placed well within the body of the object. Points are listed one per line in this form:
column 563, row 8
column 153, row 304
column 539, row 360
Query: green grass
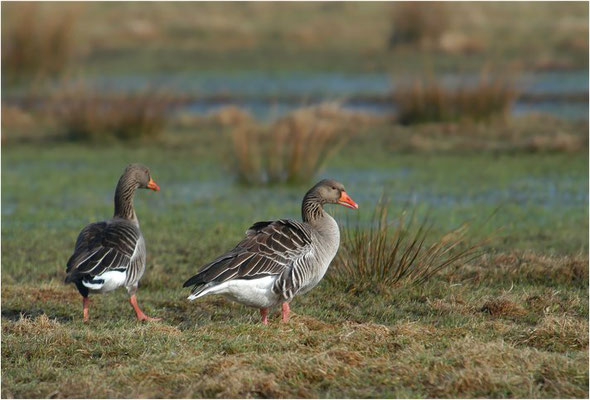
column 511, row 324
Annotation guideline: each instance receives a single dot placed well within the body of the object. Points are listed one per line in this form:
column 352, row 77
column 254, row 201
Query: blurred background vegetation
column 135, row 68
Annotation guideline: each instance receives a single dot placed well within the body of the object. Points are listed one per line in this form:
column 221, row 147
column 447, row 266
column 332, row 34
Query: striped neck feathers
column 312, row 209
column 124, row 198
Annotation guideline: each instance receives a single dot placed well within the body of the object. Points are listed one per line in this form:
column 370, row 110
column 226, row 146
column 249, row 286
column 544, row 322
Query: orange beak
column 152, row 185
column 346, row 201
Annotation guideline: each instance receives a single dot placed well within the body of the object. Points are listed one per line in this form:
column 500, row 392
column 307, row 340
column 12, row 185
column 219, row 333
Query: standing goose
column 111, row 253
column 278, row 259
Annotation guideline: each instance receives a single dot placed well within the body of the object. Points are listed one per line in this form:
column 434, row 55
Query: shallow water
column 257, row 90
column 257, row 84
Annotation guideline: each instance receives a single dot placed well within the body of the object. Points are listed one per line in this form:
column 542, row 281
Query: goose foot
column 285, row 312
column 85, row 303
column 264, row 315
column 140, row 315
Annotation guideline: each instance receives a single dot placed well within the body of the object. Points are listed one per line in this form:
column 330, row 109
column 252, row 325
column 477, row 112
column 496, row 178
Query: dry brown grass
column 306, row 358
column 498, row 307
column 16, row 122
column 84, row 113
column 557, row 334
column 36, row 42
column 224, row 117
column 560, row 141
column 292, row 149
column 231, row 116
column 390, row 253
column 419, row 24
column 42, row 324
column 533, row 133
column 454, row 304
column 429, row 101
column 525, row 266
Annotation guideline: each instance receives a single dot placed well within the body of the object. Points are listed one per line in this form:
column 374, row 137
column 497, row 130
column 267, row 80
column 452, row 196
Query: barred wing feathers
column 269, row 248
column 103, row 246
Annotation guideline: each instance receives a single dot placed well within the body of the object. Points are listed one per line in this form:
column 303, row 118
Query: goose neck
column 124, row 198
column 312, row 210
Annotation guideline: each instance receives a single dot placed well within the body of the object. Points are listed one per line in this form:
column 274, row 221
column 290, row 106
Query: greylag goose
column 111, row 253
column 278, row 260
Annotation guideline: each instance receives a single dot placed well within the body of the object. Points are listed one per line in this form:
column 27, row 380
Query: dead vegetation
column 42, row 324
column 231, row 116
column 501, row 307
column 418, row 24
column 524, row 266
column 37, row 42
column 524, row 134
column 400, row 348
column 556, row 334
column 293, row 148
column 81, row 112
column 427, row 100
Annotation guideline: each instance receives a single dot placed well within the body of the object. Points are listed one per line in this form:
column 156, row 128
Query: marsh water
column 267, row 95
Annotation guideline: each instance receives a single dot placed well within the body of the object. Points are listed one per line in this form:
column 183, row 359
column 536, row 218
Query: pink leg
column 285, row 312
column 264, row 315
column 85, row 303
column 140, row 315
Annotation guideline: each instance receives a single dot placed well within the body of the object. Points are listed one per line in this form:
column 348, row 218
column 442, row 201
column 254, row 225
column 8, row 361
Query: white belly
column 250, row 292
column 111, row 280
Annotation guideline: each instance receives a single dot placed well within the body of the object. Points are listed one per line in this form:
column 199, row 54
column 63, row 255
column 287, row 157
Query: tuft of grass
column 36, row 43
column 385, row 253
column 419, row 24
column 16, row 120
column 33, row 326
column 502, row 307
column 83, row 113
column 231, row 116
column 429, row 101
column 557, row 334
column 292, row 149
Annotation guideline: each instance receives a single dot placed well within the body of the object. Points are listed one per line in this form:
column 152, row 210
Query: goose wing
column 103, row 246
column 269, row 248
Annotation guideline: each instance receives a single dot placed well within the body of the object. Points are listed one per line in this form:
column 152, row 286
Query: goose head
column 140, row 175
column 331, row 191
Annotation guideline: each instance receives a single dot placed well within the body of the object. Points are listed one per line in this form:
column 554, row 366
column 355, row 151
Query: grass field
column 511, row 324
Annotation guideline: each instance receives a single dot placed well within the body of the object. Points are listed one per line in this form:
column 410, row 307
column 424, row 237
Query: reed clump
column 83, row 113
column 427, row 100
column 398, row 252
column 37, row 42
column 290, row 150
column 419, row 24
